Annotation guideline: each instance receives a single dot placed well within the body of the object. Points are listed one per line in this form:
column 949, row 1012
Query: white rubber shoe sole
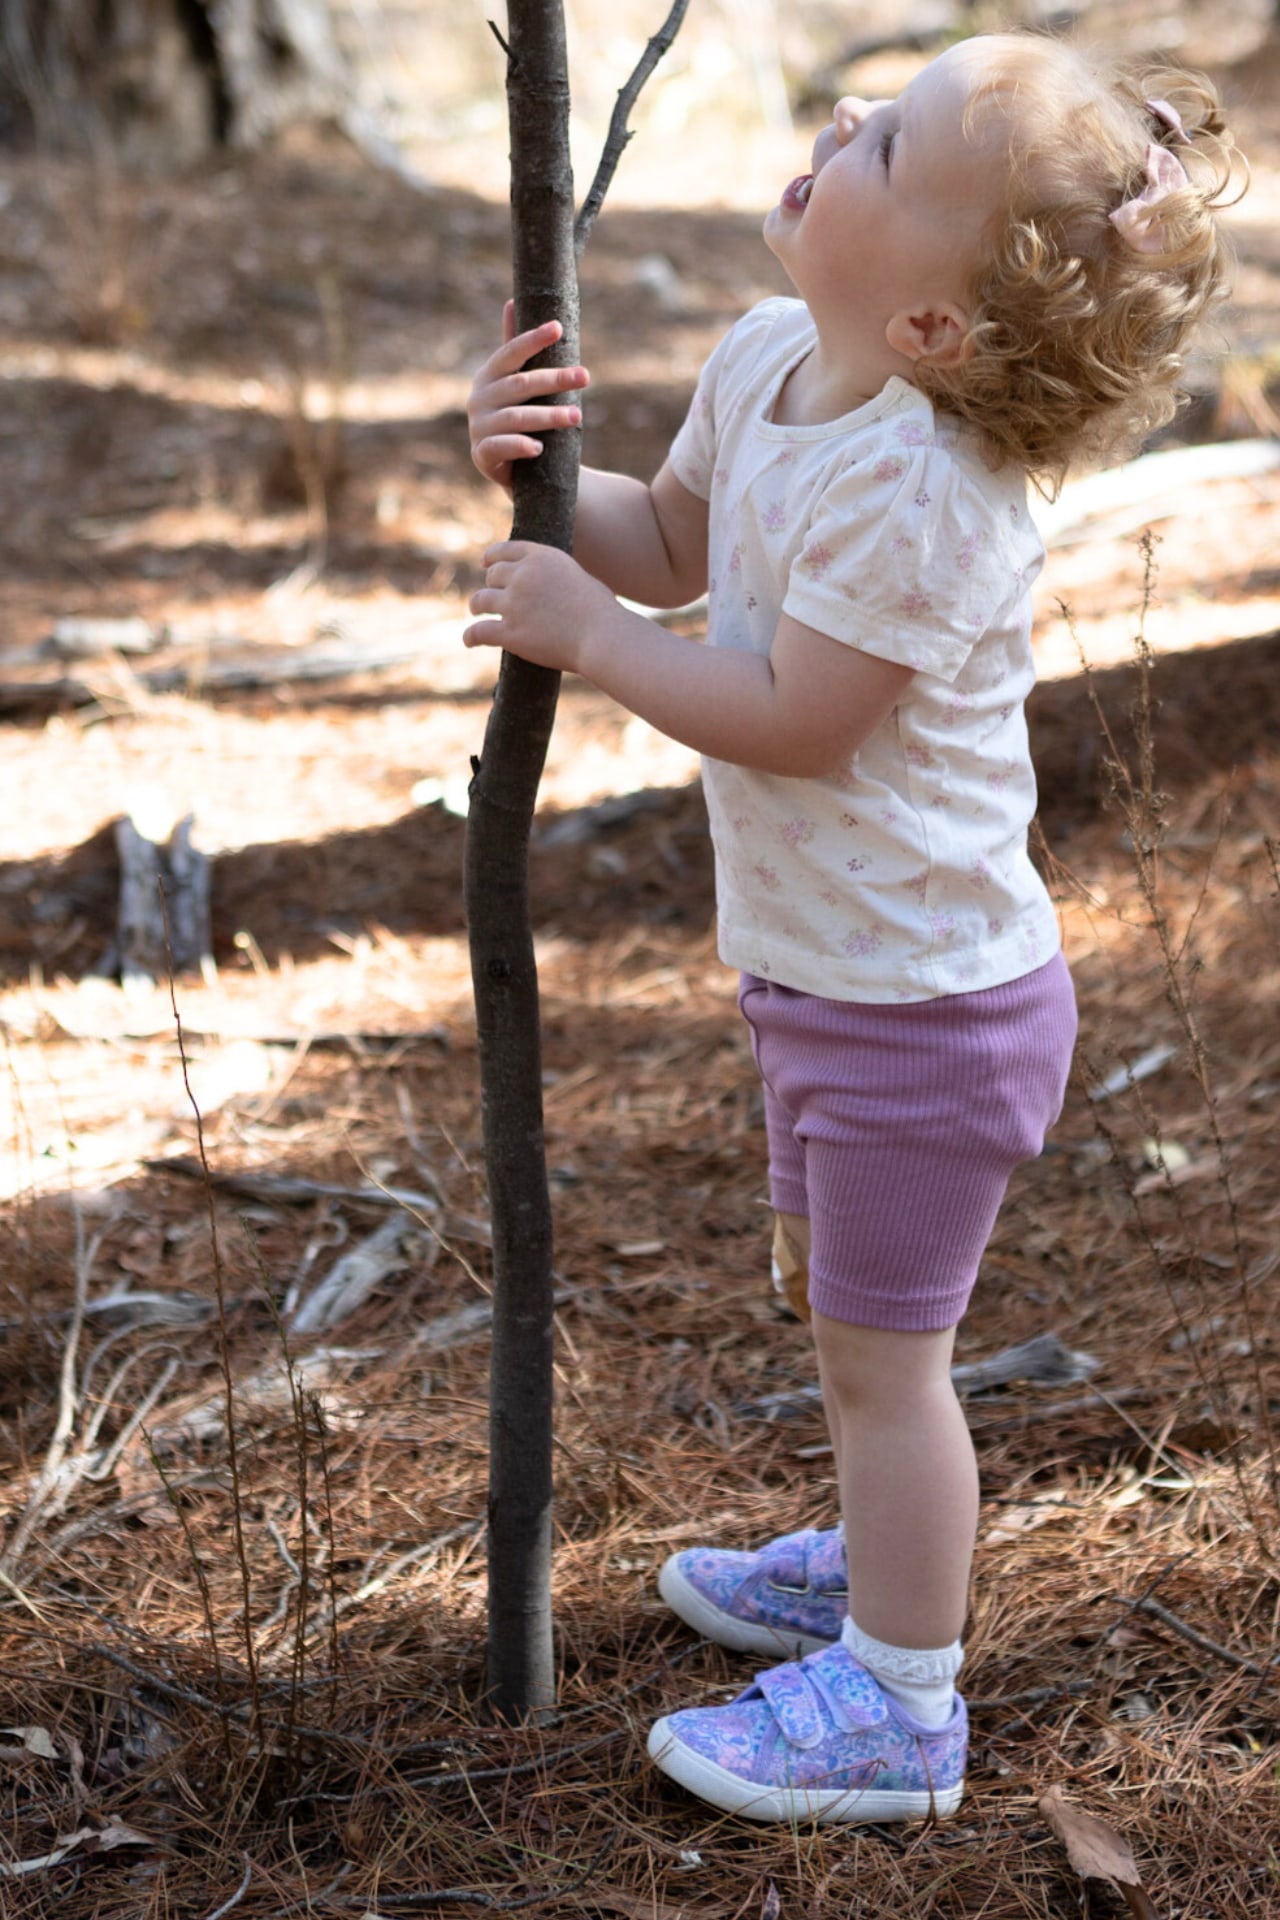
column 726, row 1629
column 828, row 1806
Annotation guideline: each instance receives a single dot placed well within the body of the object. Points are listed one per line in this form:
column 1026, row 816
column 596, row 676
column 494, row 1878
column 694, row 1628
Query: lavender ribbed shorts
column 895, row 1130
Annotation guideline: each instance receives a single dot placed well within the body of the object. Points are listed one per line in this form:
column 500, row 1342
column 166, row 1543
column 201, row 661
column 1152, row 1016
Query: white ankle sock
column 921, row 1679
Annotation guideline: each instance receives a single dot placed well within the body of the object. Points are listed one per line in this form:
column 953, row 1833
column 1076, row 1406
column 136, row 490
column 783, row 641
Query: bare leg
column 908, row 1479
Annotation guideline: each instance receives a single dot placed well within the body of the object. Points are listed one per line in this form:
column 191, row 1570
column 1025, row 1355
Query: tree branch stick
column 619, row 133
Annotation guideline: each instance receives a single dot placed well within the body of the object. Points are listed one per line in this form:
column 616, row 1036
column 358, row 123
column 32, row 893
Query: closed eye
column 886, row 149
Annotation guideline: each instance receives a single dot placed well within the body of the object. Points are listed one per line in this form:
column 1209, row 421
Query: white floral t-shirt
column 904, row 875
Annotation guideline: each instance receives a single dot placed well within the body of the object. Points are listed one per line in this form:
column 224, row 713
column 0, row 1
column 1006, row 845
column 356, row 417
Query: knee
column 875, row 1366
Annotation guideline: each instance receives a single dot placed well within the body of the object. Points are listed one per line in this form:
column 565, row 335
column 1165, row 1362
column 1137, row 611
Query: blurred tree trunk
column 163, row 82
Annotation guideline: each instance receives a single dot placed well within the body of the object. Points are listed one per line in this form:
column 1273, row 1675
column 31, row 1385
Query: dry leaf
column 1096, row 1850
column 772, row 1906
column 34, row 1740
column 102, row 1839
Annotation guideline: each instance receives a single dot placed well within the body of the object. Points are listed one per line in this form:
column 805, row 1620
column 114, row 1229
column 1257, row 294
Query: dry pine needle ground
column 250, row 1685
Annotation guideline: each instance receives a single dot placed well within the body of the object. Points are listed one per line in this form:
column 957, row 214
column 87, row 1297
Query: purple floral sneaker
column 815, row 1740
column 789, row 1597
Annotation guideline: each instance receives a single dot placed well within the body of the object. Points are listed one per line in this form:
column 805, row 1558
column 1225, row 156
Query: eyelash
column 886, row 148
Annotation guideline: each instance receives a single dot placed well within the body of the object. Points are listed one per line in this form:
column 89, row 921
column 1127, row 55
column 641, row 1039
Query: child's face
column 890, row 220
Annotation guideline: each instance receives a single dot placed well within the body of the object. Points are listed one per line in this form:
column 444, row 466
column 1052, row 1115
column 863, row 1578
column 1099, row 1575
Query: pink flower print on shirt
column 768, row 877
column 912, row 433
column 1000, row 777
column 829, row 897
column 798, row 833
column 970, row 548
column 915, row 603
column 774, row 517
column 721, row 476
column 735, row 558
column 856, row 865
column 848, row 819
column 923, row 499
column 817, row 560
column 940, row 800
column 787, row 458
column 888, row 817
column 862, row 942
column 1015, row 513
column 979, row 875
column 740, row 822
column 918, row 885
column 902, row 544
column 892, row 467
column 957, row 706
column 943, row 924
column 995, row 928
column 918, row 755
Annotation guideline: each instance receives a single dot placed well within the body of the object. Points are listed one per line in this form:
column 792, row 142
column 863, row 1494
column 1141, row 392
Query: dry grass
column 256, row 1677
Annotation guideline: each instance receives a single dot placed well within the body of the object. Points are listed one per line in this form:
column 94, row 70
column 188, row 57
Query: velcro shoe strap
column 851, row 1694
column 794, row 1703
column 785, row 1560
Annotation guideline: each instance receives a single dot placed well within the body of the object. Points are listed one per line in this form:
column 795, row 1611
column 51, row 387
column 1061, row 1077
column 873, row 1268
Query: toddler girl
column 997, row 275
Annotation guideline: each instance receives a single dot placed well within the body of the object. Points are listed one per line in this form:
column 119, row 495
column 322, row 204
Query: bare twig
column 237, row 1896
column 68, row 1405
column 224, row 1355
column 619, row 133
column 1196, row 1638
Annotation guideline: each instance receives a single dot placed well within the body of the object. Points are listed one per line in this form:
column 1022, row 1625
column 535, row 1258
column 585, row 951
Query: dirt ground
column 233, row 413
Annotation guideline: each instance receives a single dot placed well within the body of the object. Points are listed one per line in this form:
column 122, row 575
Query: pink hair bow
column 1170, row 119
column 1138, row 221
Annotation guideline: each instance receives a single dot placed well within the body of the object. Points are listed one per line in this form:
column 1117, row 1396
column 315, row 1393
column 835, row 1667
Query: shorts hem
column 888, row 1313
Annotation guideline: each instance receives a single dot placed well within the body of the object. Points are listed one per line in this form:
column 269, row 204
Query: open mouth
column 797, row 194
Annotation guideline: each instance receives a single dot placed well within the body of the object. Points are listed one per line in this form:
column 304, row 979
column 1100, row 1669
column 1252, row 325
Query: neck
column 826, row 385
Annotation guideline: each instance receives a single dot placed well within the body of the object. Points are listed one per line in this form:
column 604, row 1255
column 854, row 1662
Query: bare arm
column 647, row 543
column 800, row 710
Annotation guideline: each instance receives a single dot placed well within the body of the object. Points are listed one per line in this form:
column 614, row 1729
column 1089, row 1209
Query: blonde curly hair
column 1077, row 339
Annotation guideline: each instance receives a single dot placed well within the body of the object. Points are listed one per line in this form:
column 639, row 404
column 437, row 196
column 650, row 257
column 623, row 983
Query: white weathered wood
column 163, row 922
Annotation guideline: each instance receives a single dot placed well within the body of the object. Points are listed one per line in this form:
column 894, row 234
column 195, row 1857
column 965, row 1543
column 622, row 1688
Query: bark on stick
column 520, row 1672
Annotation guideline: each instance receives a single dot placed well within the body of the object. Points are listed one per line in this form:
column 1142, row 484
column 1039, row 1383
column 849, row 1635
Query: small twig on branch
column 237, row 1896
column 619, row 132
column 1032, row 1697
column 496, row 31
column 1197, row 1639
column 242, row 1711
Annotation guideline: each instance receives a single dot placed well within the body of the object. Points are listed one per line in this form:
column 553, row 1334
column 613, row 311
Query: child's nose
column 849, row 114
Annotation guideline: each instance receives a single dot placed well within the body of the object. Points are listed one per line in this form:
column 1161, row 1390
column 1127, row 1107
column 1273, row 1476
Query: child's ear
column 938, row 334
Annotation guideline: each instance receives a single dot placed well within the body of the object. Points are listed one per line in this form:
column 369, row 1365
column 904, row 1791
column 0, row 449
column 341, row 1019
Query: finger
column 504, row 550
column 501, row 448
column 523, row 346
column 539, row 419
column 532, row 383
column 487, row 634
column 485, row 600
column 508, row 322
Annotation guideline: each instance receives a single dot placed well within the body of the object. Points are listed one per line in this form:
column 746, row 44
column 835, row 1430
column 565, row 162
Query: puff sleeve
column 904, row 557
column 693, row 451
